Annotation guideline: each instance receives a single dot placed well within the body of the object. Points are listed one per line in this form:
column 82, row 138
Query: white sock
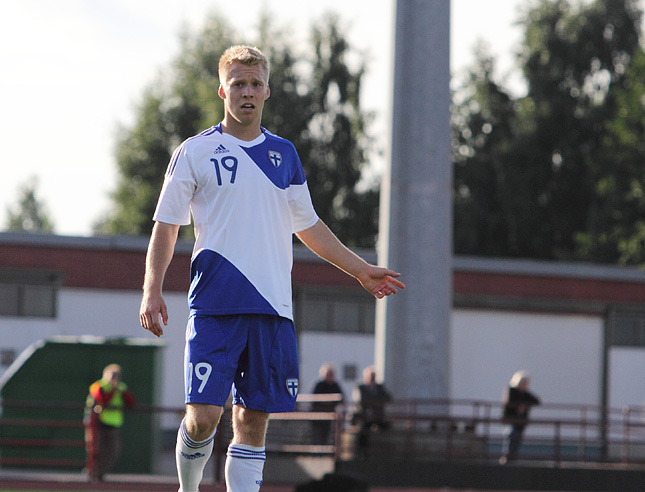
column 244, row 465
column 191, row 457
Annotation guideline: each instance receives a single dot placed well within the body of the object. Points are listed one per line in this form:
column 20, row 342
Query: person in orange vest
column 103, row 420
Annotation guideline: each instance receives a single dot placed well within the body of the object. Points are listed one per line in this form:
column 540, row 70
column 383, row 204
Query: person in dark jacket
column 326, row 385
column 517, row 401
column 370, row 399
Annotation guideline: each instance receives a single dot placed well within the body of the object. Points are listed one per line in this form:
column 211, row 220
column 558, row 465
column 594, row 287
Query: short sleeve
column 178, row 189
column 303, row 215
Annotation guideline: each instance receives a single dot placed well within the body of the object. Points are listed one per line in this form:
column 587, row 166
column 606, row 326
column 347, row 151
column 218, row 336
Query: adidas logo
column 192, row 456
column 221, row 150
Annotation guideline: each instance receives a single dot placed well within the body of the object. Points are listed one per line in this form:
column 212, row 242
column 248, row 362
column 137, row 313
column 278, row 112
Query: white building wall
column 340, row 349
column 118, row 313
column 626, row 377
column 107, row 313
column 563, row 353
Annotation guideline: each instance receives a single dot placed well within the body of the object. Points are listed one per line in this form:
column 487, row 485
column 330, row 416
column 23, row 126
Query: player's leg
column 213, row 345
column 246, row 454
column 195, row 444
column 267, row 382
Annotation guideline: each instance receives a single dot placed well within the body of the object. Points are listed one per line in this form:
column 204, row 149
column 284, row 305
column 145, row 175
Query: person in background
column 103, row 420
column 326, row 385
column 370, row 399
column 517, row 401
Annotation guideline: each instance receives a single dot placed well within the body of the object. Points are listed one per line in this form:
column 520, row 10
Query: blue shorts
column 255, row 354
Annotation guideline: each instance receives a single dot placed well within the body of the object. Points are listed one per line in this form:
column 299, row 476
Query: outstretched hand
column 380, row 282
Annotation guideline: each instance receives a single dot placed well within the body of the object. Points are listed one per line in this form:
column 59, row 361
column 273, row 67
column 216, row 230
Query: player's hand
column 380, row 282
column 153, row 313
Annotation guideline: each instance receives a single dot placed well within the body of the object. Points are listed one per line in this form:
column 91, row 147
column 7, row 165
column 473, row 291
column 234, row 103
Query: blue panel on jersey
column 278, row 160
column 218, row 287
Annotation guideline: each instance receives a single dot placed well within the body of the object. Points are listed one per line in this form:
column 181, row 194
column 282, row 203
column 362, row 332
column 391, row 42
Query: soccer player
column 246, row 190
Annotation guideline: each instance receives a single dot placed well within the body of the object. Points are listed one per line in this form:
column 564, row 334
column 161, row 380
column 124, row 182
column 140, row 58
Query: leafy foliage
column 557, row 173
column 29, row 214
column 616, row 225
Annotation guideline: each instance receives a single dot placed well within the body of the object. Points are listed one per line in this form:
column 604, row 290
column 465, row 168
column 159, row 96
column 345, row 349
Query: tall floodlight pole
column 413, row 328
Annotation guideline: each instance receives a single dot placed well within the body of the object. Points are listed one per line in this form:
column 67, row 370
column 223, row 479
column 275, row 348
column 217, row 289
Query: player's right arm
column 153, row 311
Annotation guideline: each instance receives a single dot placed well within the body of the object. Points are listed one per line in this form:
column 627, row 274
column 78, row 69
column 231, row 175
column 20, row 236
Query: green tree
column 483, row 122
column 550, row 165
column 318, row 109
column 314, row 103
column 174, row 107
column 616, row 229
column 29, row 214
column 338, row 141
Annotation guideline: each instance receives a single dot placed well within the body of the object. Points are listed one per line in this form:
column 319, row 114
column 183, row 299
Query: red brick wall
column 123, row 269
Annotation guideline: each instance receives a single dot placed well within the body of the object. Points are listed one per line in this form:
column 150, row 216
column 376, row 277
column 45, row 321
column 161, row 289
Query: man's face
column 370, row 377
column 114, row 377
column 244, row 91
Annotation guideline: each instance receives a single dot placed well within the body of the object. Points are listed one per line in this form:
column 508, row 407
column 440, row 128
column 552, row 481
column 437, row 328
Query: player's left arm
column 378, row 281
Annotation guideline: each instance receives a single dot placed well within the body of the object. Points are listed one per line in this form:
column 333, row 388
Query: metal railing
column 419, row 429
column 470, row 429
column 36, row 442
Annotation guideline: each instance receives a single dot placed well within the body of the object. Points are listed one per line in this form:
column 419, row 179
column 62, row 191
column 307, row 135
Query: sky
column 74, row 70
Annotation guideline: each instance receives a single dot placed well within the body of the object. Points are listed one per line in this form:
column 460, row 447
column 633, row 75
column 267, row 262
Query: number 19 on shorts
column 202, row 372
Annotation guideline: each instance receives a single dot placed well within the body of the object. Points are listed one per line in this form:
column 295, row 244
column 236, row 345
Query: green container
column 51, row 381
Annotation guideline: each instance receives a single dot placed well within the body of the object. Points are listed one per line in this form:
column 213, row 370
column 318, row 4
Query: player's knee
column 202, row 420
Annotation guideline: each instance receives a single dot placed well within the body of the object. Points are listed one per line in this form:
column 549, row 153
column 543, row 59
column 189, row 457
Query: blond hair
column 326, row 367
column 247, row 55
column 109, row 369
column 518, row 377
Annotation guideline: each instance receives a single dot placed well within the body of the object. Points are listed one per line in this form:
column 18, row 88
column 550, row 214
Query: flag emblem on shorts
column 292, row 387
column 275, row 158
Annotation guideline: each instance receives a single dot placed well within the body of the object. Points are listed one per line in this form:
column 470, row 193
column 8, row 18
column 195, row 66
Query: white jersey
column 247, row 199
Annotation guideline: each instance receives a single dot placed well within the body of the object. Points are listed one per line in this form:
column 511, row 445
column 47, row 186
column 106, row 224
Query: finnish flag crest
column 292, row 387
column 275, row 158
